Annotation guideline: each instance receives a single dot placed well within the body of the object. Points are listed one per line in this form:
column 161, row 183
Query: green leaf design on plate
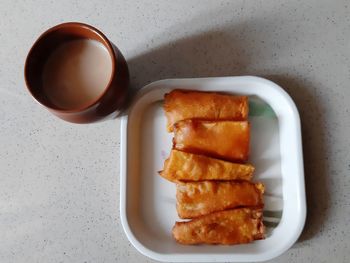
column 258, row 107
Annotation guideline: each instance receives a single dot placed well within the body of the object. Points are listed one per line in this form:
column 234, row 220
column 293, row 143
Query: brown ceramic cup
column 112, row 100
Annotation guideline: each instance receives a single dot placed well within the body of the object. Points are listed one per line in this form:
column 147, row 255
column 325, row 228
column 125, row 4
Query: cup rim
column 110, row 51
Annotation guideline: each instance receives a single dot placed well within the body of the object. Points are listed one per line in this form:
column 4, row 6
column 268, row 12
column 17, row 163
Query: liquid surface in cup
column 77, row 73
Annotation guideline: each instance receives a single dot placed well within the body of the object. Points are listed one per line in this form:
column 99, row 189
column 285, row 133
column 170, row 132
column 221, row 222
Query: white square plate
column 147, row 201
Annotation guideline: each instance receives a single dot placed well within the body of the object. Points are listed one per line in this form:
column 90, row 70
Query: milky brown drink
column 77, row 73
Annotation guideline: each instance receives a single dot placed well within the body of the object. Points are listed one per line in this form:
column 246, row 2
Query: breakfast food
column 182, row 166
column 228, row 140
column 236, row 226
column 200, row 198
column 182, row 105
column 208, row 164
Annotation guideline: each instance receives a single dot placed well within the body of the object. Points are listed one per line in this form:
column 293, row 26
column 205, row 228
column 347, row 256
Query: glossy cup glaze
column 112, row 100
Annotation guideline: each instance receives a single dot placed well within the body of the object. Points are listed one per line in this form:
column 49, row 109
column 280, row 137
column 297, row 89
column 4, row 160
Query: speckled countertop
column 59, row 182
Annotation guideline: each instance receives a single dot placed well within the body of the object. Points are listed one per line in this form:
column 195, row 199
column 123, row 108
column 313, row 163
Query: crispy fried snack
column 182, row 166
column 200, row 198
column 182, row 105
column 228, row 227
column 228, row 140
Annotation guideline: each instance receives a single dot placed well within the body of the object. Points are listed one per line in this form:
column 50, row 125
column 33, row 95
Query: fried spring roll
column 227, row 227
column 182, row 105
column 182, row 166
column 201, row 198
column 228, row 140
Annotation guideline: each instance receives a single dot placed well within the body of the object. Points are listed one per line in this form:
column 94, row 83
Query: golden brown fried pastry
column 236, row 226
column 182, row 105
column 182, row 166
column 228, row 140
column 200, row 198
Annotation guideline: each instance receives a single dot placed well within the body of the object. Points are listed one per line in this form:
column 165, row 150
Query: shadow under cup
column 113, row 98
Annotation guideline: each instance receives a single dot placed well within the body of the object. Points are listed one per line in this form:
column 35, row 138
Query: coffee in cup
column 77, row 73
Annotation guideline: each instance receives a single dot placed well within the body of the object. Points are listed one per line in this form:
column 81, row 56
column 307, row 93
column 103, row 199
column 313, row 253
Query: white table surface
column 59, row 196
